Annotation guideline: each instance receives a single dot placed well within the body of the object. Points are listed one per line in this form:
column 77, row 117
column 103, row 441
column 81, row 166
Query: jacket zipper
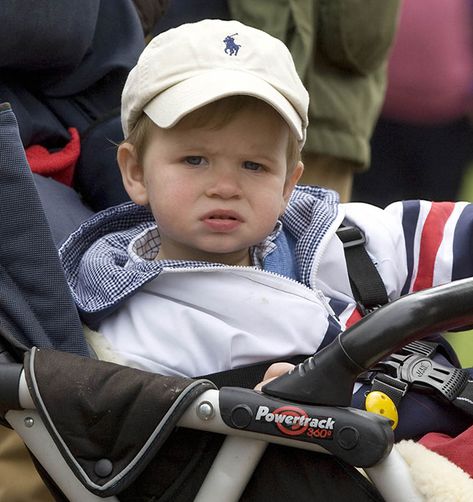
column 257, row 271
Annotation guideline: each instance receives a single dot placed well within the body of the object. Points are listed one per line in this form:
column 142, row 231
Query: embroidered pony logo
column 231, row 48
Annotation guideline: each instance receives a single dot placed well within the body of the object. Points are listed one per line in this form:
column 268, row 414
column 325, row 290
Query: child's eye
column 252, row 166
column 194, row 160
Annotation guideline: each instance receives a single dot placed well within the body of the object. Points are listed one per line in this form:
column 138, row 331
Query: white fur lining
column 435, row 477
column 102, row 347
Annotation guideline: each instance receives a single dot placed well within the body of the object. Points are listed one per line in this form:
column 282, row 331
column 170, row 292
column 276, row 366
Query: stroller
column 97, row 428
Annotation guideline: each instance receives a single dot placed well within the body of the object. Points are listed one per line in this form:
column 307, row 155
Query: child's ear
column 291, row 183
column 132, row 174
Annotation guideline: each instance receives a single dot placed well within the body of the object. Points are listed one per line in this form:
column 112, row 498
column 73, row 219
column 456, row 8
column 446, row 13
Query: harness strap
column 464, row 400
column 366, row 284
column 247, row 376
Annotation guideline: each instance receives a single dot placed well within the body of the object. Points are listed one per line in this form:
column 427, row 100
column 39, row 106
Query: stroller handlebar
column 328, row 377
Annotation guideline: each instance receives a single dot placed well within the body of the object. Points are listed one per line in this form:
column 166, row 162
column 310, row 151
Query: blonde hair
column 215, row 115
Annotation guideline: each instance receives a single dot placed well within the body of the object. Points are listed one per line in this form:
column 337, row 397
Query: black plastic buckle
column 425, row 374
column 350, row 236
column 391, row 364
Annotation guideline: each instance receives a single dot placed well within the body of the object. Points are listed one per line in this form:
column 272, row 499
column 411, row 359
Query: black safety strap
column 247, row 376
column 366, row 284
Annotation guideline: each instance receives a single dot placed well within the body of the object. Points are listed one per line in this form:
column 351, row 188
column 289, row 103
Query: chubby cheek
column 166, row 209
column 268, row 212
column 170, row 203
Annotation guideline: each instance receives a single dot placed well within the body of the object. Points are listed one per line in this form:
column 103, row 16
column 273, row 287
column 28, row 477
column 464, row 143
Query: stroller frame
column 231, row 469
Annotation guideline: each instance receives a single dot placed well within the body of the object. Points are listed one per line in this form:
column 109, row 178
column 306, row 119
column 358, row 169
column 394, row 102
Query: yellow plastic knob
column 381, row 404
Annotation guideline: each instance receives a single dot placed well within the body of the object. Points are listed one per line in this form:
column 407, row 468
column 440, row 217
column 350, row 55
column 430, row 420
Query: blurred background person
column 423, row 141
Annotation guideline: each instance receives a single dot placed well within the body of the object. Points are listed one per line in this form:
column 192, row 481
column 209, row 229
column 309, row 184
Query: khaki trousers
column 19, row 480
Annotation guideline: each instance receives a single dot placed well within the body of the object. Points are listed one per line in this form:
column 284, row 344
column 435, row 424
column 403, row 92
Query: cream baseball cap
column 194, row 64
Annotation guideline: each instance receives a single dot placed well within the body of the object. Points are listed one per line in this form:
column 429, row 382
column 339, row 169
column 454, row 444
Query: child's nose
column 224, row 182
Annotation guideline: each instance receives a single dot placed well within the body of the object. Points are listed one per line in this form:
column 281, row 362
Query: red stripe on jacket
column 432, row 235
column 355, row 316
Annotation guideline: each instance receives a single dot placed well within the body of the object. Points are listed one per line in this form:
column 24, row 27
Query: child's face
column 215, row 192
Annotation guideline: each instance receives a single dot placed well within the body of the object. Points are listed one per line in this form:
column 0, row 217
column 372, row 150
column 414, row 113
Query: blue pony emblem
column 231, row 48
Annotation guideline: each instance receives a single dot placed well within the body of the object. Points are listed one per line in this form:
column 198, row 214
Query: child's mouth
column 222, row 221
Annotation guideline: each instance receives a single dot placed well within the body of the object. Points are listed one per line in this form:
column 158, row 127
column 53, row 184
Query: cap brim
column 171, row 105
